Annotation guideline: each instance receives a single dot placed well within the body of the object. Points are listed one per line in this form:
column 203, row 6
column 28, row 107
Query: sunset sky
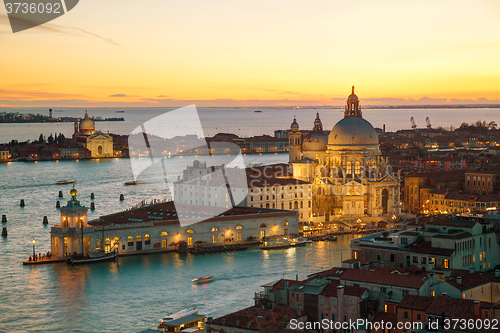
column 255, row 53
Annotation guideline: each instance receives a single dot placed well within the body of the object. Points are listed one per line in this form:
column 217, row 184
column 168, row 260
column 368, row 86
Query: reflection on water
column 132, row 294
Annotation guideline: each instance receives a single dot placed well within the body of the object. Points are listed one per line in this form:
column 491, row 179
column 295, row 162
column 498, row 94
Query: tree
column 492, row 125
column 50, row 140
column 41, row 139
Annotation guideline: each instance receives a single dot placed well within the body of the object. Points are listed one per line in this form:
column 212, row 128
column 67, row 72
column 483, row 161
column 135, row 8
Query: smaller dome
column 295, row 125
column 315, row 141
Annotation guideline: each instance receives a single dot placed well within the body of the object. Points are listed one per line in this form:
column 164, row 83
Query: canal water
column 132, row 295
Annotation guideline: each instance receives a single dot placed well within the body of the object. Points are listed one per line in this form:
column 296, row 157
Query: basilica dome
column 86, row 124
column 353, row 131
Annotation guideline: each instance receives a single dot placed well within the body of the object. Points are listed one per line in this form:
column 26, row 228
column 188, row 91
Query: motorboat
column 62, row 182
column 180, row 314
column 204, row 279
column 132, row 182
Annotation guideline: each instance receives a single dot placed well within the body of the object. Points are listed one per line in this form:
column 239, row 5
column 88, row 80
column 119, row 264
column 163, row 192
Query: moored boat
column 179, row 314
column 332, row 238
column 91, row 258
column 204, row 279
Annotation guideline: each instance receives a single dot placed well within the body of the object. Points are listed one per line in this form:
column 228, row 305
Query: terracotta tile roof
column 166, row 214
column 385, row 317
column 415, row 302
column 384, row 278
column 257, row 319
column 426, row 248
column 469, row 281
column 281, row 284
column 334, row 271
column 455, row 308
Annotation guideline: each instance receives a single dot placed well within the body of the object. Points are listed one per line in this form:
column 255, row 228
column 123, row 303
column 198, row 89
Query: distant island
column 38, row 118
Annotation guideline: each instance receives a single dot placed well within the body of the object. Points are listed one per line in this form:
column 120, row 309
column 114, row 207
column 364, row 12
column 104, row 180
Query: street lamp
column 33, row 241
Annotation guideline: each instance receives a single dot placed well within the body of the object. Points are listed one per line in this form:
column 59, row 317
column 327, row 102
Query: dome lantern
column 295, row 125
column 318, row 125
column 352, row 108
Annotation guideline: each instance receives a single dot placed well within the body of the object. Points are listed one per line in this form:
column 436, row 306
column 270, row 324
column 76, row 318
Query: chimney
column 459, row 280
column 383, row 128
column 497, row 273
column 476, row 308
column 471, row 270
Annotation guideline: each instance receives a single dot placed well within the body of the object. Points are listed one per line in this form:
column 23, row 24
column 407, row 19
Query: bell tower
column 294, row 142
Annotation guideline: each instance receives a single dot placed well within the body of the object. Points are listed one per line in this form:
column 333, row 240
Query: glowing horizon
column 284, row 53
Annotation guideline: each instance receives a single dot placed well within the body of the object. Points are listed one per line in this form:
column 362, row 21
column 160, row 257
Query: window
column 215, row 229
column 190, row 240
column 405, row 315
column 393, row 259
column 285, row 223
column 415, row 260
column 470, row 293
column 321, row 300
column 446, row 263
column 147, row 239
column 463, row 295
column 285, row 232
column 262, row 234
column 423, row 260
column 378, row 257
column 164, row 233
column 98, row 244
column 433, row 293
column 130, row 241
column 419, row 317
column 164, row 242
column 346, row 302
column 214, row 238
column 485, row 314
column 139, row 238
column 263, row 225
column 238, row 236
column 190, row 231
column 239, row 227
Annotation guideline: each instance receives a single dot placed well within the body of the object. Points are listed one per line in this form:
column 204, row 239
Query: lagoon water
column 131, row 296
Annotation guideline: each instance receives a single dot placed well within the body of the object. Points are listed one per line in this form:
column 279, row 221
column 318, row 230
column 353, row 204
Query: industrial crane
column 428, row 122
column 413, row 125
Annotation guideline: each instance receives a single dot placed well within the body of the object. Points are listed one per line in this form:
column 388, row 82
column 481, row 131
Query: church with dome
column 99, row 144
column 350, row 179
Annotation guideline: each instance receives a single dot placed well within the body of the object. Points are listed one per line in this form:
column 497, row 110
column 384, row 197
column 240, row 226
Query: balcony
column 262, row 296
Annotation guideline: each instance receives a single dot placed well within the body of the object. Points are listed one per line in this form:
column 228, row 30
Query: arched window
column 296, row 205
column 348, row 168
column 130, row 240
column 357, row 168
column 98, row 244
column 164, row 233
column 239, row 227
column 267, row 205
column 285, row 223
column 263, row 225
column 282, row 206
column 215, row 229
column 302, row 204
column 147, row 239
column 139, row 238
column 290, row 205
column 99, row 150
column 190, row 231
